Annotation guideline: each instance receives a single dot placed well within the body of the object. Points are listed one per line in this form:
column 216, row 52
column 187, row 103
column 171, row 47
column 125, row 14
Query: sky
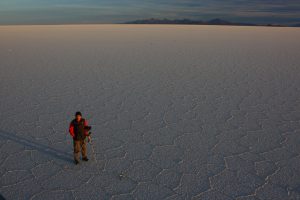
column 118, row 11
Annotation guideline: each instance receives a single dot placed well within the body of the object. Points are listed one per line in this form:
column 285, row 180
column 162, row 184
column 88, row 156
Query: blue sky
column 116, row 11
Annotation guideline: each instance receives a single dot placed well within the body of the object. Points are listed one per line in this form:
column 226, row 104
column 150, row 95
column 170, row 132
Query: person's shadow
column 55, row 153
column 1, row 197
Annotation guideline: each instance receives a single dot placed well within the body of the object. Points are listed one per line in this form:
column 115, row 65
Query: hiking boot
column 85, row 159
column 76, row 162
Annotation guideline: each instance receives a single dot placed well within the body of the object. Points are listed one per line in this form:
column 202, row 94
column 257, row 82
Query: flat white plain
column 178, row 112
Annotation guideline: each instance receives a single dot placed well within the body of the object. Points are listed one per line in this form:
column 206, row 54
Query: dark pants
column 79, row 146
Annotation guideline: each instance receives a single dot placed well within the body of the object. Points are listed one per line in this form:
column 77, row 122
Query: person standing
column 79, row 133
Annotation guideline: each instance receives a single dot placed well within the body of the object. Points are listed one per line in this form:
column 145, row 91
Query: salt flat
column 178, row 112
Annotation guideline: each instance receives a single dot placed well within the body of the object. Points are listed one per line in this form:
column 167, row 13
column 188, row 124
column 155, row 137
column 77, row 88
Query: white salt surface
column 178, row 112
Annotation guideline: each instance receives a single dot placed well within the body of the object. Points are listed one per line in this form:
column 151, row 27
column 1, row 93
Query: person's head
column 78, row 116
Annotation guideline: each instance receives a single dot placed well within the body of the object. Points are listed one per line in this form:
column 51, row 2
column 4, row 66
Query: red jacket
column 71, row 129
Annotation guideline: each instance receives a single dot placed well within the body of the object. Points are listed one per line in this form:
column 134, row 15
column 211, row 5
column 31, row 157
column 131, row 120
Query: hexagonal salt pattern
column 178, row 112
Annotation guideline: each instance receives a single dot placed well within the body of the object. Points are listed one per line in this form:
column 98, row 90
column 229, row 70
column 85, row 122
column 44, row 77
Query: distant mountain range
column 216, row 21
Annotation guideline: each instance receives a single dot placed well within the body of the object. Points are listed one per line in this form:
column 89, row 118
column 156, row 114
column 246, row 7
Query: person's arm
column 71, row 130
column 86, row 132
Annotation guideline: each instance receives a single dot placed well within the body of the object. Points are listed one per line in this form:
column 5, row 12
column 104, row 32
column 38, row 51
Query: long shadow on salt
column 35, row 145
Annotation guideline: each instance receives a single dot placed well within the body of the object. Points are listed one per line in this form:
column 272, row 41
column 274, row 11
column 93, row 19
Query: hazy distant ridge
column 215, row 21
